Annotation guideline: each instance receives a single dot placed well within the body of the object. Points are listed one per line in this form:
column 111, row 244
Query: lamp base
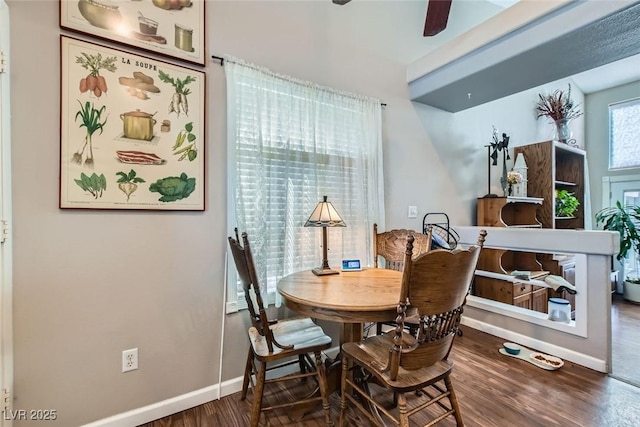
column 319, row 271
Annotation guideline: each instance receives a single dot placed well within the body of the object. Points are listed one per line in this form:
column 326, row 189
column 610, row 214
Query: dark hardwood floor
column 493, row 391
column 625, row 340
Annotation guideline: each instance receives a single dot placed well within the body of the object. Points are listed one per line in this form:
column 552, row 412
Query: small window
column 624, row 135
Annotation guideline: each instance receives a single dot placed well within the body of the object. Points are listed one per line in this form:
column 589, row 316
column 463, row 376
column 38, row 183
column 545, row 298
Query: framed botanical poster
column 174, row 28
column 132, row 131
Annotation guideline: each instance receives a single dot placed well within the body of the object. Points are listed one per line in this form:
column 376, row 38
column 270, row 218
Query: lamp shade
column 325, row 215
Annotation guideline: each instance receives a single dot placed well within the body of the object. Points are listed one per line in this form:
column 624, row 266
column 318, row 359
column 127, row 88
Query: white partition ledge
column 587, row 341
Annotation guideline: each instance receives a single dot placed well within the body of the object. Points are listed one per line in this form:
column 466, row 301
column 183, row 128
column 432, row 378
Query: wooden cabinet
column 510, row 212
column 520, row 294
column 551, row 166
column 540, row 299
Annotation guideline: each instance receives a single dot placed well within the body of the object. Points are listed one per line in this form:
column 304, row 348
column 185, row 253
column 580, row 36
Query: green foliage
column 566, row 203
column 190, row 150
column 128, row 177
column 178, row 85
column 91, row 118
column 174, row 188
column 624, row 220
column 94, row 63
column 94, row 184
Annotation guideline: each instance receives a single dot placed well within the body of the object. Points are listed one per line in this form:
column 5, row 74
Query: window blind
column 624, row 131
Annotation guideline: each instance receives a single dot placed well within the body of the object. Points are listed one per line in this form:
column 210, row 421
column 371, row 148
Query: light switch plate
column 413, row 211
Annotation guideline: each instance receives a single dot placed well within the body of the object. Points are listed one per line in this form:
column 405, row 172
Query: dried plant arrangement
column 557, row 106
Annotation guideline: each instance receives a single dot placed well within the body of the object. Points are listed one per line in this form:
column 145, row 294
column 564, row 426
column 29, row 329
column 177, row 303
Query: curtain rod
column 221, row 59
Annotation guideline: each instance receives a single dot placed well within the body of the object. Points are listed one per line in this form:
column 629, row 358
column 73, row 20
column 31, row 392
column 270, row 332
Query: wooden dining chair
column 436, row 284
column 273, row 341
column 391, row 246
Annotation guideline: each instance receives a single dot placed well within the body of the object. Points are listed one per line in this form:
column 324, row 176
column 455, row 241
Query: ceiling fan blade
column 341, row 2
column 437, row 17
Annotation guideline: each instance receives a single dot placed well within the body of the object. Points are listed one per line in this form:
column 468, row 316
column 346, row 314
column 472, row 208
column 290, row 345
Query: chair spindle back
column 436, row 283
column 243, row 259
column 391, row 245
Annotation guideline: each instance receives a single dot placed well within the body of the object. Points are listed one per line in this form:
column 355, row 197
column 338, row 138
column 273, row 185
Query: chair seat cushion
column 302, row 333
column 373, row 354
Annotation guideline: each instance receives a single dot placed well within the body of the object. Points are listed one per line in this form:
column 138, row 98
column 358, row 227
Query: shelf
column 535, row 200
column 554, row 166
column 511, row 279
column 567, row 148
column 508, row 212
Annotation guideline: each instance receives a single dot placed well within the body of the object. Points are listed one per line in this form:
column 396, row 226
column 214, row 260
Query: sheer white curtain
column 290, row 143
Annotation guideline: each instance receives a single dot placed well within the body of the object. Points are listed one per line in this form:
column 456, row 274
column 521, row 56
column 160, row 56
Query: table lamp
column 324, row 215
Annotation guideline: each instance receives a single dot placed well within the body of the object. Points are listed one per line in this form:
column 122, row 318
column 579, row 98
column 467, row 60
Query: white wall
column 460, row 141
column 90, row 284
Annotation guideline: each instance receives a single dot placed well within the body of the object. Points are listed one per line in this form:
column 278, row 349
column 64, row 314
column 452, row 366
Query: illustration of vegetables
column 91, row 120
column 139, row 85
column 139, row 157
column 173, row 188
column 94, row 184
column 128, row 182
column 179, row 98
column 190, row 150
column 94, row 82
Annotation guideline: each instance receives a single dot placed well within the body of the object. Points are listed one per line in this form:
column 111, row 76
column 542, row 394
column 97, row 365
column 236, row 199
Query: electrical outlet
column 130, row 360
column 232, row 307
column 413, row 211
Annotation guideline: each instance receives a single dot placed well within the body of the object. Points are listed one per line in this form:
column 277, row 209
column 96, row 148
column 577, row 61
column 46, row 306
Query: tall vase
column 563, row 133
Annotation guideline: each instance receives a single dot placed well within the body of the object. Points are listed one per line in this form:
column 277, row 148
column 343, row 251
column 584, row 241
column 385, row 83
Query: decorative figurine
column 492, row 149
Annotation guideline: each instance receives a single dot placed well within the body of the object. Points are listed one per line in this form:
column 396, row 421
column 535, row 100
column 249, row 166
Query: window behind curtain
column 624, row 134
column 290, row 143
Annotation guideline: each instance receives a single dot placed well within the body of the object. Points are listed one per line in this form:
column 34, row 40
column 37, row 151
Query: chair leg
column 257, row 395
column 322, row 383
column 343, row 392
column 454, row 401
column 303, row 365
column 379, row 328
column 248, row 371
column 402, row 409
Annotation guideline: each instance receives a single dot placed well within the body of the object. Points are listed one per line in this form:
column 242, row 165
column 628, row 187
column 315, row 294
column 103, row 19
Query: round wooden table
column 351, row 297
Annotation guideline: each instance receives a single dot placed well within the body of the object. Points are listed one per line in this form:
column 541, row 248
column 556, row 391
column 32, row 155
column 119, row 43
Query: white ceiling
column 393, row 29
column 617, row 73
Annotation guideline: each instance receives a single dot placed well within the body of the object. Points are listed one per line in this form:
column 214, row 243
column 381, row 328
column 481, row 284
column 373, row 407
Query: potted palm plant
column 625, row 220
